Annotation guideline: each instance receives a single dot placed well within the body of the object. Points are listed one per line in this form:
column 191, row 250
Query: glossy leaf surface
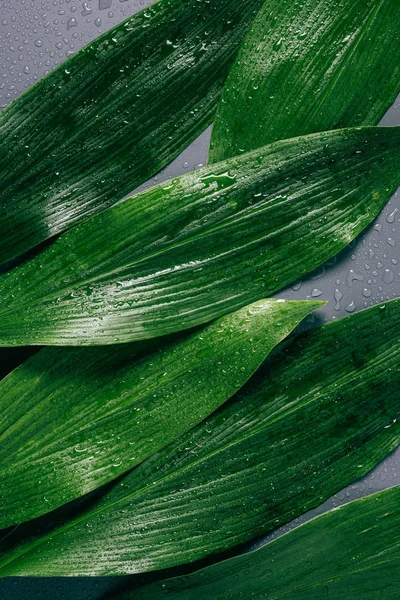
column 202, row 245
column 351, row 553
column 319, row 413
column 74, row 419
column 112, row 115
column 309, row 66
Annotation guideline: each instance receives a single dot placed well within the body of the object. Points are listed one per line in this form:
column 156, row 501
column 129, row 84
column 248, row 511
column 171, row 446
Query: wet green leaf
column 351, row 553
column 321, row 412
column 309, row 66
column 113, row 114
column 202, row 245
column 74, row 419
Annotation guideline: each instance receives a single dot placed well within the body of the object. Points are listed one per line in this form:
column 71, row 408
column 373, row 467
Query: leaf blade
column 113, row 115
column 310, row 422
column 204, row 244
column 351, row 552
column 76, row 419
column 304, row 69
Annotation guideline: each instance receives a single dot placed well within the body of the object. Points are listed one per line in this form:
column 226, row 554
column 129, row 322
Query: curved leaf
column 113, row 114
column 204, row 244
column 318, row 414
column 74, row 419
column 350, row 553
column 311, row 66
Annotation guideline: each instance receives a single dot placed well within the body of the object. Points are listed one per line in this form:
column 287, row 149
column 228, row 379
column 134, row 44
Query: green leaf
column 205, row 244
column 113, row 114
column 319, row 414
column 350, row 553
column 311, row 66
column 74, row 419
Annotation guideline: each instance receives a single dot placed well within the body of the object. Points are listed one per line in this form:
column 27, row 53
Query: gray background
column 37, row 35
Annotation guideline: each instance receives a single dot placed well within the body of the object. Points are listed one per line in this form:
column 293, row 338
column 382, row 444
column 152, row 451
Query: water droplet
column 39, row 43
column 220, row 181
column 79, row 449
column 353, row 276
column 277, row 45
column 72, row 22
column 296, row 286
column 86, row 10
column 391, row 242
column 97, row 22
column 103, row 4
column 367, row 293
column 391, row 218
column 316, row 293
column 388, row 276
column 351, row 307
column 338, row 297
column 320, row 273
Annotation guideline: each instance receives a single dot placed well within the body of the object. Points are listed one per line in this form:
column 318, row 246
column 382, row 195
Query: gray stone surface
column 37, row 35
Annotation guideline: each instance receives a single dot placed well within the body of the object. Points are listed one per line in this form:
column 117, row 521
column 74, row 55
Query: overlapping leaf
column 309, row 66
column 318, row 415
column 113, row 114
column 351, row 553
column 74, row 419
column 204, row 244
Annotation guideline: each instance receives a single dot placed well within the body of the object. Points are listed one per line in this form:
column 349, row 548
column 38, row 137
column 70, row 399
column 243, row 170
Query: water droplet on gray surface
column 316, row 293
column 86, row 10
column 367, row 293
column 391, row 218
column 388, row 276
column 353, row 276
column 104, row 4
column 351, row 307
column 72, row 22
column 338, row 297
column 320, row 273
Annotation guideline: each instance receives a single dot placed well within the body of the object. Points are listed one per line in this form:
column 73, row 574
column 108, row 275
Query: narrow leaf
column 311, row 66
column 113, row 114
column 319, row 414
column 350, row 553
column 204, row 244
column 74, row 419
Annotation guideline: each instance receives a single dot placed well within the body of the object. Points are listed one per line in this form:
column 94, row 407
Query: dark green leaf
column 318, row 415
column 74, row 419
column 309, row 66
column 351, row 553
column 204, row 244
column 113, row 114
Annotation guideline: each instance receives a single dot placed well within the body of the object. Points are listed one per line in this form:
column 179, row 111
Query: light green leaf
column 309, row 66
column 74, row 419
column 113, row 114
column 204, row 244
column 319, row 414
column 350, row 553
